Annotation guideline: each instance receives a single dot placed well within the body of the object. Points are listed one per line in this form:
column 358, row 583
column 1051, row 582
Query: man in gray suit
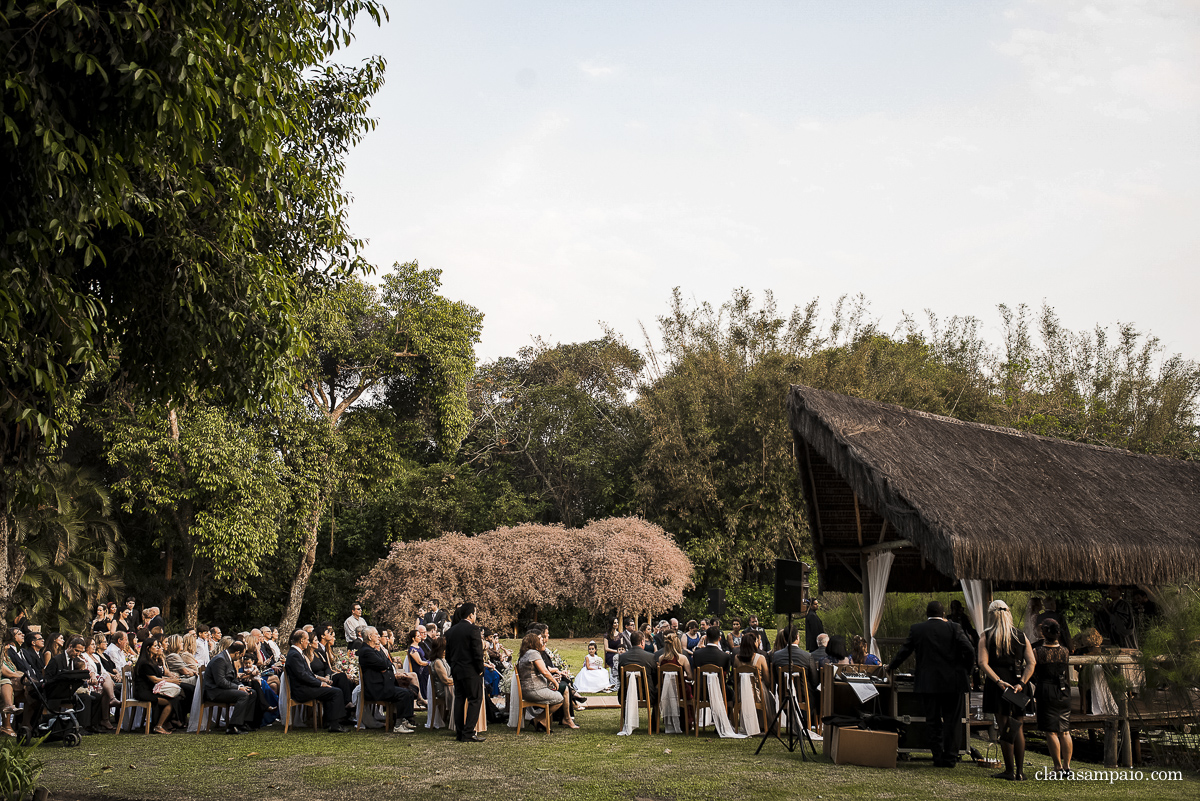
column 637, row 655
column 221, row 684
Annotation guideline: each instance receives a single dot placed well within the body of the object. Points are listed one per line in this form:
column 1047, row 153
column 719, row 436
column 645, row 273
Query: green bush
column 1170, row 657
column 19, row 769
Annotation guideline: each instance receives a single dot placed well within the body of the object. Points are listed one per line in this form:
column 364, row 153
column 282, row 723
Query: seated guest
column 733, row 640
column 304, row 685
column 322, row 660
column 267, row 699
column 799, row 658
column 749, row 656
column 836, row 651
column 56, row 643
column 648, row 638
column 859, row 655
column 538, row 684
column 820, row 657
column 203, row 644
column 761, row 632
column 10, row 680
column 711, row 652
column 693, row 637
column 187, row 673
column 638, row 655
column 417, row 662
column 221, row 684
column 64, row 676
column 382, row 683
column 118, row 652
column 35, row 643
column 565, row 684
column 153, row 682
column 103, row 678
column 593, row 677
column 439, row 670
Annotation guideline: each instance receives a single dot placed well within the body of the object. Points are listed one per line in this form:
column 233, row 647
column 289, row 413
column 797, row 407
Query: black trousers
column 242, row 702
column 943, row 718
column 401, row 699
column 468, row 698
column 333, row 704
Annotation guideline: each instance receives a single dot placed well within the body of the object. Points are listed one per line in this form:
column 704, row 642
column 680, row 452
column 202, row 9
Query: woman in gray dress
column 537, row 682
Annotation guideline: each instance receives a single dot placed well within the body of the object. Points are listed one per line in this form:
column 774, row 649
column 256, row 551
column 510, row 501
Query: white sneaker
column 403, row 728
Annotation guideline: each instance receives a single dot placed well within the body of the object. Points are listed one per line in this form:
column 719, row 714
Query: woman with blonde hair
column 1006, row 661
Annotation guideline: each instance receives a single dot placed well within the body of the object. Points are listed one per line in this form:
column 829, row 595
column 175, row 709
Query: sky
column 566, row 164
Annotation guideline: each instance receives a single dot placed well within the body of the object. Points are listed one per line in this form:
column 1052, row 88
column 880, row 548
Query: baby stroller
column 63, row 724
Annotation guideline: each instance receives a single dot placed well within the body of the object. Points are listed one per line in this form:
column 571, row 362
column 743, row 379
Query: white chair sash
column 719, row 718
column 631, row 705
column 514, row 701
column 748, row 716
column 668, row 701
column 197, row 700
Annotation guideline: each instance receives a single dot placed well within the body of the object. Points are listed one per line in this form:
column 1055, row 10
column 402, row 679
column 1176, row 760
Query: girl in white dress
column 593, row 678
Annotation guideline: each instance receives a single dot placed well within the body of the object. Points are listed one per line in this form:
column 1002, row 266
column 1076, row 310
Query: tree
column 626, row 562
column 67, row 548
column 159, row 157
column 212, row 484
column 403, row 347
column 561, row 419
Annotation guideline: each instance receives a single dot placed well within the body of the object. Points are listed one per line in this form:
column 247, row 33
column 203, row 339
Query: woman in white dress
column 593, row 678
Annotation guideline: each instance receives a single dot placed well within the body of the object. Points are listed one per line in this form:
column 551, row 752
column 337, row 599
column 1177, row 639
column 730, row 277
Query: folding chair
column 799, row 677
column 523, row 705
column 680, row 684
column 128, row 702
column 758, row 691
column 701, row 695
column 643, row 694
column 285, row 687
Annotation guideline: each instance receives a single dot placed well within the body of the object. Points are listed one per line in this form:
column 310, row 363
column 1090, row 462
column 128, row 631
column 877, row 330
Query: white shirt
column 202, row 653
column 352, row 623
column 274, row 648
column 114, row 652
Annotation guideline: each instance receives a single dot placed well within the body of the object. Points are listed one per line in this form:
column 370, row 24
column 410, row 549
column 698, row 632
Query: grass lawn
column 592, row 763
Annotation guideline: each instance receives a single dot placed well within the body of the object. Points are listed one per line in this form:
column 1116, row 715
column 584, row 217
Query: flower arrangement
column 344, row 662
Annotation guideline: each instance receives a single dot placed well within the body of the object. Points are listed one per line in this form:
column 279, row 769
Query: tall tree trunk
column 303, row 572
column 191, row 601
column 6, row 584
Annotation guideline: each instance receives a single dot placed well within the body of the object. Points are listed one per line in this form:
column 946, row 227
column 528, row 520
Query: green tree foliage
column 719, row 471
column 211, row 485
column 402, row 347
column 170, row 192
column 66, row 550
column 561, row 420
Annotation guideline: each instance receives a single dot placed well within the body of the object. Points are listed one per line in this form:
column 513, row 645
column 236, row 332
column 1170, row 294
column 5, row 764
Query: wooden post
column 1123, row 714
column 1110, row 743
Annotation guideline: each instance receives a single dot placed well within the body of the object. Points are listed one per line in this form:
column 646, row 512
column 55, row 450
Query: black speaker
column 791, row 586
column 716, row 602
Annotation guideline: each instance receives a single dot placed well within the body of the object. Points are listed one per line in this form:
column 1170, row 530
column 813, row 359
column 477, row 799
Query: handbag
column 169, row 689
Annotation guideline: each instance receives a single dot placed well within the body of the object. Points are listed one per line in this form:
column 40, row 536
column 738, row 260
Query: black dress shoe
column 234, row 730
column 474, row 738
column 338, row 730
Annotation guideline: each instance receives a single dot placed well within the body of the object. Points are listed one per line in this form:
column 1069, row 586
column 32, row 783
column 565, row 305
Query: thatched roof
column 976, row 501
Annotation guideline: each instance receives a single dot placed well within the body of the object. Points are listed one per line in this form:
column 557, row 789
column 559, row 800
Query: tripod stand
column 790, row 706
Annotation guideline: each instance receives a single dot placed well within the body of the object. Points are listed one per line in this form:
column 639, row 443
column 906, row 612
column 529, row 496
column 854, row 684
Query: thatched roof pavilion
column 955, row 500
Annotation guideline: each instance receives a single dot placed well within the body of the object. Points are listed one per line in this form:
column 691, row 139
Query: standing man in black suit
column 307, row 686
column 221, row 684
column 944, row 662
column 812, row 626
column 464, row 652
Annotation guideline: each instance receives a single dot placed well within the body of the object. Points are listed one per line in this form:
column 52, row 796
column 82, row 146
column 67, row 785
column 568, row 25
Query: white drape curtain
column 879, row 567
column 747, row 714
column 973, row 593
column 715, row 715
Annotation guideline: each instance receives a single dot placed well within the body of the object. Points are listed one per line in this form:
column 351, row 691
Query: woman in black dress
column 1052, row 683
column 1006, row 661
column 148, row 672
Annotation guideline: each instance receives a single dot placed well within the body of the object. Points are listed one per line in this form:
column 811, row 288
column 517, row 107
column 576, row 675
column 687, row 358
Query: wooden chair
column 210, row 711
column 643, row 694
column 756, row 686
column 702, row 700
column 285, row 685
column 128, row 702
column 799, row 677
column 680, row 684
column 523, row 705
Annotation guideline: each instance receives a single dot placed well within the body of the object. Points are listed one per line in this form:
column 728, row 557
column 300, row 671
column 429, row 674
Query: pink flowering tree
column 626, row 563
